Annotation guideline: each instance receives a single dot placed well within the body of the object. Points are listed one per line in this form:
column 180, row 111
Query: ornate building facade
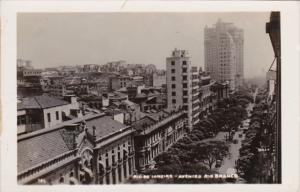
column 92, row 149
column 154, row 136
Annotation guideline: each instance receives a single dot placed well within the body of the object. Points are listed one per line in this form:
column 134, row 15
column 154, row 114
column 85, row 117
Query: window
column 185, row 93
column 173, row 101
column 21, row 120
column 119, row 156
column 57, row 115
column 184, row 70
column 106, row 163
column 173, row 93
column 184, row 77
column 184, row 85
column 49, row 117
column 183, row 62
column 61, row 180
column 173, row 86
column 185, row 100
column 173, row 78
column 107, row 179
column 113, row 159
column 172, row 62
column 173, row 70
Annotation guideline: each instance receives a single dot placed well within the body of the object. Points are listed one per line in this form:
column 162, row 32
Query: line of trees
column 250, row 164
column 198, row 152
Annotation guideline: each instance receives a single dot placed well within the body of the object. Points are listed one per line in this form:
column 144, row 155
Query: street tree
column 209, row 152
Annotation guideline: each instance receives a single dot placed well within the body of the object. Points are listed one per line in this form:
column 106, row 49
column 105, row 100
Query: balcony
column 131, row 154
column 142, row 150
column 108, row 168
column 114, row 164
column 155, row 143
column 120, row 161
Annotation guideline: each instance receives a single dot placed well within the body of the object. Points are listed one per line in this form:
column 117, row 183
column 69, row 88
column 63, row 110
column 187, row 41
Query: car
column 240, row 135
column 235, row 141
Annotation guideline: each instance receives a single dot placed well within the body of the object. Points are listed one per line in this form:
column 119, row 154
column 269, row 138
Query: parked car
column 240, row 135
column 235, row 141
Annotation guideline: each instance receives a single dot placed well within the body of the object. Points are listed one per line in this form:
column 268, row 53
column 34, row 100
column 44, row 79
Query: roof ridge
column 37, row 102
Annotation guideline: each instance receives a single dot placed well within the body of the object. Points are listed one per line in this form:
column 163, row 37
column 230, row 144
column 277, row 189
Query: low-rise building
column 221, row 90
column 150, row 99
column 118, row 82
column 159, row 78
column 155, row 135
column 91, row 149
column 44, row 112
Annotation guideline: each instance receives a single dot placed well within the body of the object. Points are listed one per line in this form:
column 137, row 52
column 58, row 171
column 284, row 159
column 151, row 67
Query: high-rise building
column 182, row 86
column 224, row 53
column 195, row 95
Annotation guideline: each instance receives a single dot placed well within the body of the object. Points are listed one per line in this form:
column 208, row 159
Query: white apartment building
column 180, row 82
column 195, row 95
column 224, row 53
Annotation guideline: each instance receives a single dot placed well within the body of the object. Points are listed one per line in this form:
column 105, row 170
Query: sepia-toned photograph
column 148, row 98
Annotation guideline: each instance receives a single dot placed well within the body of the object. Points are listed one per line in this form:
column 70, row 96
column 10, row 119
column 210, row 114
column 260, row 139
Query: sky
column 55, row 39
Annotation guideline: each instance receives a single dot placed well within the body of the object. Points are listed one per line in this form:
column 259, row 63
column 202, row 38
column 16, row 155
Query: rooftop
column 156, row 116
column 40, row 102
column 39, row 149
column 104, row 125
column 36, row 148
column 145, row 121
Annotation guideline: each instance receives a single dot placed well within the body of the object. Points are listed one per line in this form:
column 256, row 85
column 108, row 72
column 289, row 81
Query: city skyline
column 134, row 39
column 117, row 123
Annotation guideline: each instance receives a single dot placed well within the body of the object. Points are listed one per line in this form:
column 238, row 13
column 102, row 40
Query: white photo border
column 289, row 13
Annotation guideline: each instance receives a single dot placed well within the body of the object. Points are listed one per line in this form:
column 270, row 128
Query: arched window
column 72, row 174
column 61, row 180
column 101, row 169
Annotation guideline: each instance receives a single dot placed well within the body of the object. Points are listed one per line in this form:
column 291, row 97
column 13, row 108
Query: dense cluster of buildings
column 103, row 123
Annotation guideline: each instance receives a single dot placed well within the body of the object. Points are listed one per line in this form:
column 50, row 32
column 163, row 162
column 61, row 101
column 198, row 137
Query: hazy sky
column 53, row 39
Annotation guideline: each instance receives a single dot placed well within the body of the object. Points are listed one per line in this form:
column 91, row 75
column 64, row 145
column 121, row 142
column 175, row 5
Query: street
column 229, row 162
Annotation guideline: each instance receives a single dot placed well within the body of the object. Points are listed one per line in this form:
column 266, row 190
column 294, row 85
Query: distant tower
column 180, row 86
column 224, row 53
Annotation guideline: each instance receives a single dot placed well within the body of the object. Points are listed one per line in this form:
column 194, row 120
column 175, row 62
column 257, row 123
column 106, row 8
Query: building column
column 95, row 165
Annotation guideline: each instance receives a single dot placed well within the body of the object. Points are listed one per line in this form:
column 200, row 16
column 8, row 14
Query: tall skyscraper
column 183, row 85
column 224, row 53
